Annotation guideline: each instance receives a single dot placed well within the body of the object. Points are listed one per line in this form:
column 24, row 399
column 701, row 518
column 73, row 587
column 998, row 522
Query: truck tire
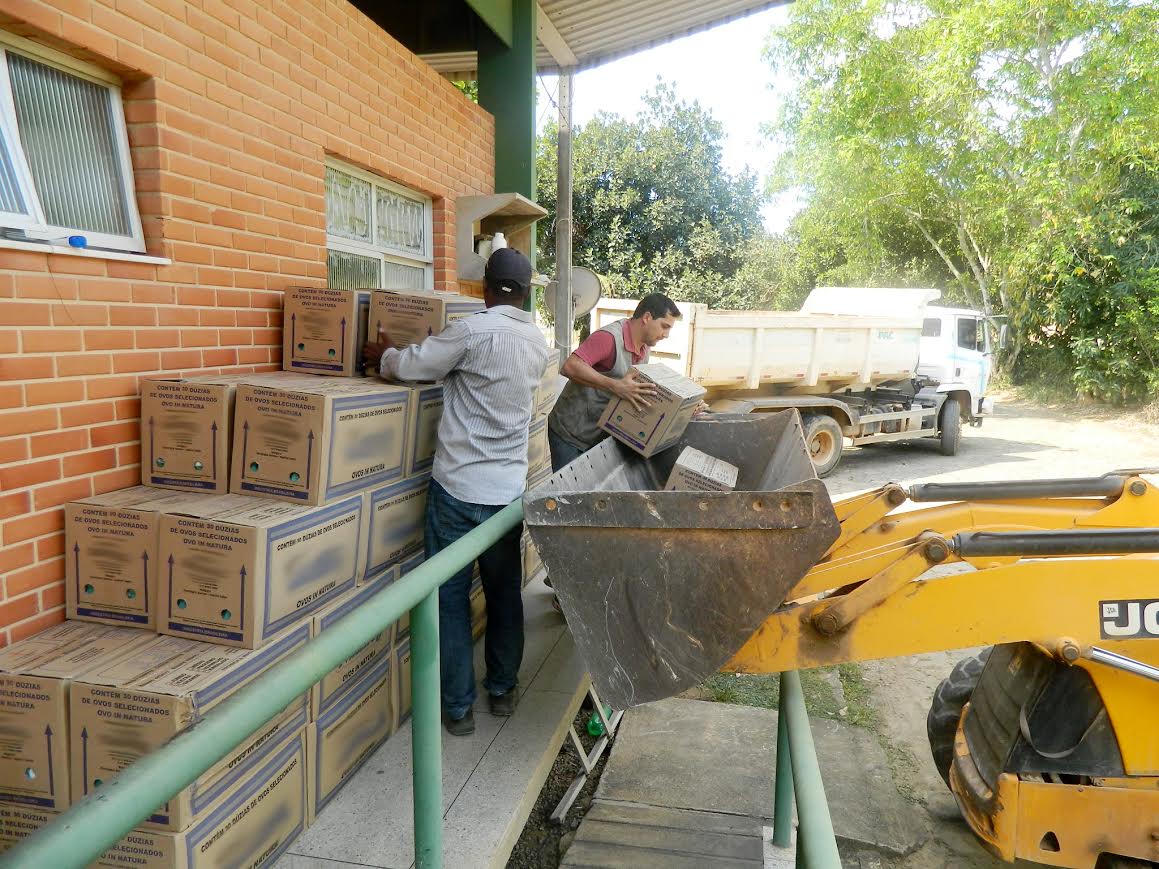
column 946, row 709
column 950, row 425
column 824, row 441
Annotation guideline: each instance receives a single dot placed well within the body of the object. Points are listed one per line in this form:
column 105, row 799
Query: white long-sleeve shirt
column 490, row 364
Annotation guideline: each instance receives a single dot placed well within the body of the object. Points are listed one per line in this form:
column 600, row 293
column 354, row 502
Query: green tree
column 980, row 129
column 653, row 207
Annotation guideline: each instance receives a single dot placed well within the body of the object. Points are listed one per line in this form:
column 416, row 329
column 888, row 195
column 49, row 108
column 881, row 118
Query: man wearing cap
column 490, row 364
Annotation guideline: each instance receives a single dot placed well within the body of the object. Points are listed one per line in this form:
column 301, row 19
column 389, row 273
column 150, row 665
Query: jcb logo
column 1124, row 619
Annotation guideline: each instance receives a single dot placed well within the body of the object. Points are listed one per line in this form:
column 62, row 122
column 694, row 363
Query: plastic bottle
column 498, row 241
column 596, row 724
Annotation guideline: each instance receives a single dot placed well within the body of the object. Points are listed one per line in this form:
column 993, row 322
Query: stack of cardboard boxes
column 539, row 454
column 272, row 505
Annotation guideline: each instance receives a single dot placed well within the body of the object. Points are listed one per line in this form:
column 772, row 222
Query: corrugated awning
column 586, row 33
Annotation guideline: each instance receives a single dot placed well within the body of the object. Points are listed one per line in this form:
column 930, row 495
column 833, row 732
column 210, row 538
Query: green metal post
column 507, row 91
column 426, row 733
column 103, row 818
column 815, row 840
column 783, row 797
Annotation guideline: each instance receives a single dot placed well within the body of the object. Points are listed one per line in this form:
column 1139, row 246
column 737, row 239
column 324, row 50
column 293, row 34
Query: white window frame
column 35, row 224
column 384, row 253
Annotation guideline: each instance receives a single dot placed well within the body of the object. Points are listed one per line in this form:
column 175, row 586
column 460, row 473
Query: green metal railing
column 104, row 817
column 799, row 781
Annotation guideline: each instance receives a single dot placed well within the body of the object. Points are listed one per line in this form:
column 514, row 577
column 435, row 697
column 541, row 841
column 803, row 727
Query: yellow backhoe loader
column 1049, row 739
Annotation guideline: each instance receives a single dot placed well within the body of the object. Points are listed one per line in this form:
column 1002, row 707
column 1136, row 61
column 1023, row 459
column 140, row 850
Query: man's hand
column 373, row 350
column 701, row 410
column 633, row 389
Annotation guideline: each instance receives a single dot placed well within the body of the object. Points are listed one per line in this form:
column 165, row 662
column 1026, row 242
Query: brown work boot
column 503, row 705
column 464, row 726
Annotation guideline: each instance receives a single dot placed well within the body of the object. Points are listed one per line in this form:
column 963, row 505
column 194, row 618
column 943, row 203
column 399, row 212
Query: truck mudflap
column 660, row 589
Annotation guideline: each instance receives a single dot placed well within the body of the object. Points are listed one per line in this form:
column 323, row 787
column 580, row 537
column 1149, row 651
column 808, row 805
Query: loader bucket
column 659, row 588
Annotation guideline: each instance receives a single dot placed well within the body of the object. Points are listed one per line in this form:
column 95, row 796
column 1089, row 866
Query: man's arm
column 630, row 388
column 433, row 359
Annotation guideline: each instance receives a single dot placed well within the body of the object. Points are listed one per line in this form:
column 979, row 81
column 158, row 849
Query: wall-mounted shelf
column 481, row 216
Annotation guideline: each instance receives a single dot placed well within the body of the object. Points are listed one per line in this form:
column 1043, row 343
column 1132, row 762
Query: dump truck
column 1047, row 739
column 860, row 364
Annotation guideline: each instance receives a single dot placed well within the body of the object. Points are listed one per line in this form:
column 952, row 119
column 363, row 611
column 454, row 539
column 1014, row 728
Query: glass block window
column 378, row 234
column 64, row 152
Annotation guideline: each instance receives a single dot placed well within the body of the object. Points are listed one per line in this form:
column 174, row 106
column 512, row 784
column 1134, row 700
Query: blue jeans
column 562, row 452
column 501, row 566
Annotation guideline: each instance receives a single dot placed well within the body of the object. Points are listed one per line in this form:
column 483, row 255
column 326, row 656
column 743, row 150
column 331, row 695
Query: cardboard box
column 238, row 570
column 111, row 557
column 34, row 705
column 660, row 425
column 342, row 676
column 534, row 481
column 401, row 681
column 396, row 520
column 324, row 330
column 538, row 451
column 311, row 440
column 402, row 626
column 186, row 432
column 549, row 387
column 425, row 413
column 132, row 706
column 252, row 825
column 412, row 316
column 17, row 823
column 699, row 472
column 358, row 721
column 532, row 565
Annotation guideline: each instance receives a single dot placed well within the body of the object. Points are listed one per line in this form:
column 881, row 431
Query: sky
column 722, row 69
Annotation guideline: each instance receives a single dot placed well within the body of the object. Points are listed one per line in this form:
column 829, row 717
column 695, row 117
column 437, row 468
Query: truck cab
column 956, row 351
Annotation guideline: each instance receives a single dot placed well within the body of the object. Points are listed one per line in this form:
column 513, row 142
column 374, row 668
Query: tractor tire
column 824, row 440
column 946, row 709
column 950, row 425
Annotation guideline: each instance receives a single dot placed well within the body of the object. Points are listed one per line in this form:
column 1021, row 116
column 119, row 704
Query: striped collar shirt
column 490, row 364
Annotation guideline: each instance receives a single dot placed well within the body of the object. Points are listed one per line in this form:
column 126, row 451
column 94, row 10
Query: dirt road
column 1022, row 441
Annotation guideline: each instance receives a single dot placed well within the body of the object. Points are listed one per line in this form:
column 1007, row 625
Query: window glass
column 64, row 152
column 931, row 327
column 378, row 234
column 968, row 333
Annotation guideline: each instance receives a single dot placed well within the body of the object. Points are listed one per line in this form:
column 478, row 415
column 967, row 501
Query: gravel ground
column 543, row 841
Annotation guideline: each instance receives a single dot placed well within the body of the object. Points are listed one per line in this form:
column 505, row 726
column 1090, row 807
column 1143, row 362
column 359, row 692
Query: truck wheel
column 950, row 423
column 824, row 440
column 946, row 709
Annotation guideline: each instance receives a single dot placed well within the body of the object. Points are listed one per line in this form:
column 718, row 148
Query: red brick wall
column 232, row 108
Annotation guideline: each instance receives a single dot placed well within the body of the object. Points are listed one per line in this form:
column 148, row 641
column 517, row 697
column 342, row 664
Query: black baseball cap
column 508, row 266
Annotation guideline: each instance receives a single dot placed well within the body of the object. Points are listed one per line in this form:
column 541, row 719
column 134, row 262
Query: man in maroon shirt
column 601, row 367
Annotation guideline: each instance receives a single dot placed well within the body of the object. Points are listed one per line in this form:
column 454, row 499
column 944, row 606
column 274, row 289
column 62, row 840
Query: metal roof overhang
column 579, row 34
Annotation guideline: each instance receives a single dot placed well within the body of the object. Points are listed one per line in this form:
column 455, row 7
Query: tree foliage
column 1007, row 145
column 653, row 207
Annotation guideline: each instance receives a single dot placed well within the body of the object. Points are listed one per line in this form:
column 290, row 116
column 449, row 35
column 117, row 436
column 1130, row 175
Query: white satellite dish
column 586, row 289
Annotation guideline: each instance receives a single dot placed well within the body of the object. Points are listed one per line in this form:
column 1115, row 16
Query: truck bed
column 782, row 352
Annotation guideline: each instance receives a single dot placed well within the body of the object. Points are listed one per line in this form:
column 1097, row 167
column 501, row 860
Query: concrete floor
column 690, row 784
column 490, row 779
